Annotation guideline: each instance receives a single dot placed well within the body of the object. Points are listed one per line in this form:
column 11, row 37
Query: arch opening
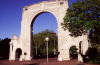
column 73, row 52
column 43, row 20
column 18, row 53
column 37, row 15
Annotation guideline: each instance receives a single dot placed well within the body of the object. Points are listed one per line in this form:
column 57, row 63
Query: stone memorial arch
column 65, row 41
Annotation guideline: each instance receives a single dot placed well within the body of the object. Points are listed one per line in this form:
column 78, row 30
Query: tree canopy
column 39, row 38
column 4, row 48
column 84, row 15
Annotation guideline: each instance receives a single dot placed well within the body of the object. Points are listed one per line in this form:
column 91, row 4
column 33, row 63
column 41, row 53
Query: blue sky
column 11, row 17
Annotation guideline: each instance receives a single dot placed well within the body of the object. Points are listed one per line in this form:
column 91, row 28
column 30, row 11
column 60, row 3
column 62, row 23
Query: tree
column 39, row 38
column 73, row 50
column 82, row 16
column 0, row 39
column 4, row 48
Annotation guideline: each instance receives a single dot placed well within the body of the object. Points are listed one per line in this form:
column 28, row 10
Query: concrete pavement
column 52, row 61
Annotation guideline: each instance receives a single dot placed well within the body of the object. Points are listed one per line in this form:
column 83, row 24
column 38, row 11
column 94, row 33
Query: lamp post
column 54, row 41
column 54, row 47
column 47, row 39
column 36, row 47
column 10, row 50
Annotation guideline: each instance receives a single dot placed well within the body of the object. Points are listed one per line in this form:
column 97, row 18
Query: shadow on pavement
column 32, row 64
column 80, row 64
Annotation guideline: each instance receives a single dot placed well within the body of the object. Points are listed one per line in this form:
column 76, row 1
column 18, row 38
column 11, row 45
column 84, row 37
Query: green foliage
column 0, row 39
column 96, row 60
column 4, row 49
column 81, row 16
column 97, row 46
column 73, row 50
column 94, row 54
column 39, row 38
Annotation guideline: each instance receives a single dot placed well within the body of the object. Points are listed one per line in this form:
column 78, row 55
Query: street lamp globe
column 47, row 39
column 10, row 43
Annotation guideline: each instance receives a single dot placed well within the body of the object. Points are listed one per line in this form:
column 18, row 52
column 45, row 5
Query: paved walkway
column 52, row 61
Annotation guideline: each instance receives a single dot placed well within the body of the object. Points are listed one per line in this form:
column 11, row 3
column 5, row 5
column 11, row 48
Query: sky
column 11, row 17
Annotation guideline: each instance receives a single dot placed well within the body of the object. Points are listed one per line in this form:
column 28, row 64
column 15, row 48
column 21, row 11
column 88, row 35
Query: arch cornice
column 53, row 7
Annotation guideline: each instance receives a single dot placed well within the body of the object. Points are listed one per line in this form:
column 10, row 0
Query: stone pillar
column 11, row 54
column 80, row 58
